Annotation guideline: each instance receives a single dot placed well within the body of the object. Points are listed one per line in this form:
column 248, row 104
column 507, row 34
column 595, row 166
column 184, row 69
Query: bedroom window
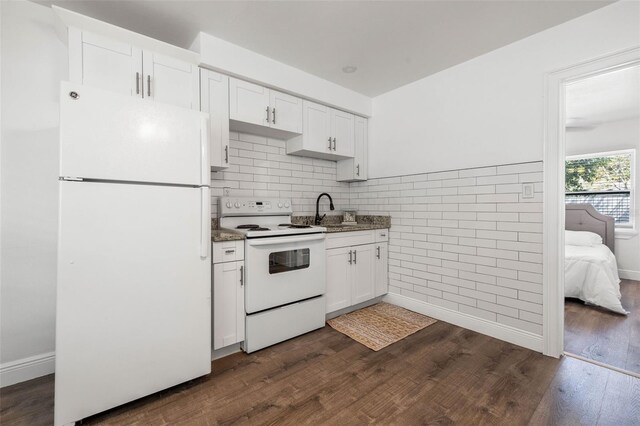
column 604, row 180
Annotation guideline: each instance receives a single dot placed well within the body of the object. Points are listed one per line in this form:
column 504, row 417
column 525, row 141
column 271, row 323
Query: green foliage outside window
column 610, row 173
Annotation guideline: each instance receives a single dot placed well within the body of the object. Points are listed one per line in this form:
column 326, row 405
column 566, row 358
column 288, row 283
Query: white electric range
column 285, row 269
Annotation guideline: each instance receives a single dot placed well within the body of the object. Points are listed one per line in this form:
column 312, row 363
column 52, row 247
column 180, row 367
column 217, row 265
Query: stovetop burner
column 294, row 226
column 248, row 226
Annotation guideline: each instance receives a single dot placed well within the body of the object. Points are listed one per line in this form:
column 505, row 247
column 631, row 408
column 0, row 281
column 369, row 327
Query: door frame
column 554, row 212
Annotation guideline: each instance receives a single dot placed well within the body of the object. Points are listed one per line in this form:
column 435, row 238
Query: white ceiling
column 391, row 42
column 603, row 98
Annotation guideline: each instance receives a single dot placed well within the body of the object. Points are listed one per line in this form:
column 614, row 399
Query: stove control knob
column 237, row 204
column 229, row 204
column 287, row 205
column 279, row 205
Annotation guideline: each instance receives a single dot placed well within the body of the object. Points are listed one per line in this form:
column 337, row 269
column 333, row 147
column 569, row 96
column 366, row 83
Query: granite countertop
column 351, row 228
column 332, row 223
column 218, row 235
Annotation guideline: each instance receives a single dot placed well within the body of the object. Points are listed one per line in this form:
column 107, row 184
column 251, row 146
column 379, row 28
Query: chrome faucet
column 318, row 217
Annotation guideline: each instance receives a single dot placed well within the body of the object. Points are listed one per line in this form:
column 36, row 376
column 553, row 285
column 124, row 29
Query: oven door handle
column 270, row 241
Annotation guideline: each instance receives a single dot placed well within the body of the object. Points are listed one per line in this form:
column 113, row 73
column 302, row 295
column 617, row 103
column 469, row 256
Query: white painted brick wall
column 464, row 239
column 261, row 167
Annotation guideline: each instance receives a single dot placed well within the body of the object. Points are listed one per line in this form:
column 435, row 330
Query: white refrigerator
column 134, row 270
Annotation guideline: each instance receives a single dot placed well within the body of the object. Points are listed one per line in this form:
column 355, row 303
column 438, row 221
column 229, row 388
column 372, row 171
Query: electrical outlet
column 528, row 190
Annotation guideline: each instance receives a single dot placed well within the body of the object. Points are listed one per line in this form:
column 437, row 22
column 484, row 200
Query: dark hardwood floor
column 440, row 375
column 605, row 336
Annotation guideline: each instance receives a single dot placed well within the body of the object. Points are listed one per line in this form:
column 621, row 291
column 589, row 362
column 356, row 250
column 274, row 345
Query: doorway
column 602, row 246
column 558, row 118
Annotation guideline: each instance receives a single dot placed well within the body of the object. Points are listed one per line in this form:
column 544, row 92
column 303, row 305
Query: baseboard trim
column 627, row 274
column 28, row 368
column 480, row 325
column 226, row 351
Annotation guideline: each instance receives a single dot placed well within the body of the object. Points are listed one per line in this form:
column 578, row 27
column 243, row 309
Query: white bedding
column 591, row 275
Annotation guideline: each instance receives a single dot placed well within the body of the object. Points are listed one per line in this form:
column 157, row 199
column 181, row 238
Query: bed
column 591, row 271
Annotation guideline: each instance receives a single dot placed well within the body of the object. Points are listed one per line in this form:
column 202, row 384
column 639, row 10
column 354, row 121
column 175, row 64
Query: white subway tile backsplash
column 260, row 167
column 468, row 235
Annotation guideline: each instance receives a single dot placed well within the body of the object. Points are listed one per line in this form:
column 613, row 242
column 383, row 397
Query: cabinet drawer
column 345, row 239
column 227, row 251
column 382, row 235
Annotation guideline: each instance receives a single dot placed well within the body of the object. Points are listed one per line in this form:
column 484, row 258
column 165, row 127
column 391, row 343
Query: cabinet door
column 103, row 63
column 317, row 127
column 360, row 148
column 228, row 304
column 339, row 273
column 363, row 281
column 170, row 81
column 343, row 131
column 286, row 112
column 248, row 102
column 214, row 100
column 355, row 169
column 382, row 268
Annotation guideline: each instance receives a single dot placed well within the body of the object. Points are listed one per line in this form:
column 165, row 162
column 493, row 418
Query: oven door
column 282, row 270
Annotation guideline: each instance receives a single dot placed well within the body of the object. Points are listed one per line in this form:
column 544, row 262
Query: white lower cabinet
column 382, row 268
column 356, row 272
column 339, row 274
column 363, row 284
column 228, row 299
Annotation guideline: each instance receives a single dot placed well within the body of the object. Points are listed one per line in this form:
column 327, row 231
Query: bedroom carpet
column 380, row 325
column 604, row 336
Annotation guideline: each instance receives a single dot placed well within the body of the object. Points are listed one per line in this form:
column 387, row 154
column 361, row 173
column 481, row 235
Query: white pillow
column 581, row 238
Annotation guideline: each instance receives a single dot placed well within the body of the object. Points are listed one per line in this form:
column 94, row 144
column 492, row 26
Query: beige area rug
column 380, row 325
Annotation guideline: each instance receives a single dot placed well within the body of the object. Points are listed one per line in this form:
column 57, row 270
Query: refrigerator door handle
column 205, row 178
column 205, row 222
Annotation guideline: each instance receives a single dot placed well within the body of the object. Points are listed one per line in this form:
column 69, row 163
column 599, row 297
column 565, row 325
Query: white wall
column 613, row 136
column 33, row 63
column 490, row 109
column 229, row 58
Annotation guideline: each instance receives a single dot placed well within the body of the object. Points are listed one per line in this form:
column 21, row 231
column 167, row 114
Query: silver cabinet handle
column 355, row 256
column 137, row 83
column 274, row 116
column 268, row 115
column 329, row 143
column 334, row 144
column 350, row 257
column 226, row 154
column 378, row 252
column 148, row 84
column 241, row 276
column 229, row 251
column 358, row 170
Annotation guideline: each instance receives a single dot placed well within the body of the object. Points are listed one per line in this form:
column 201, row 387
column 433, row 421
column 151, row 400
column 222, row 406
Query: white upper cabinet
column 342, row 132
column 117, row 66
column 355, row 169
column 317, row 126
column 170, row 80
column 257, row 109
column 214, row 98
column 103, row 63
column 248, row 103
column 326, row 133
column 286, row 112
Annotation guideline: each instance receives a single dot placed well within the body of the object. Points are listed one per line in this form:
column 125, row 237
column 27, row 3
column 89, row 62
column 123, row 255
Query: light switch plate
column 528, row 190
